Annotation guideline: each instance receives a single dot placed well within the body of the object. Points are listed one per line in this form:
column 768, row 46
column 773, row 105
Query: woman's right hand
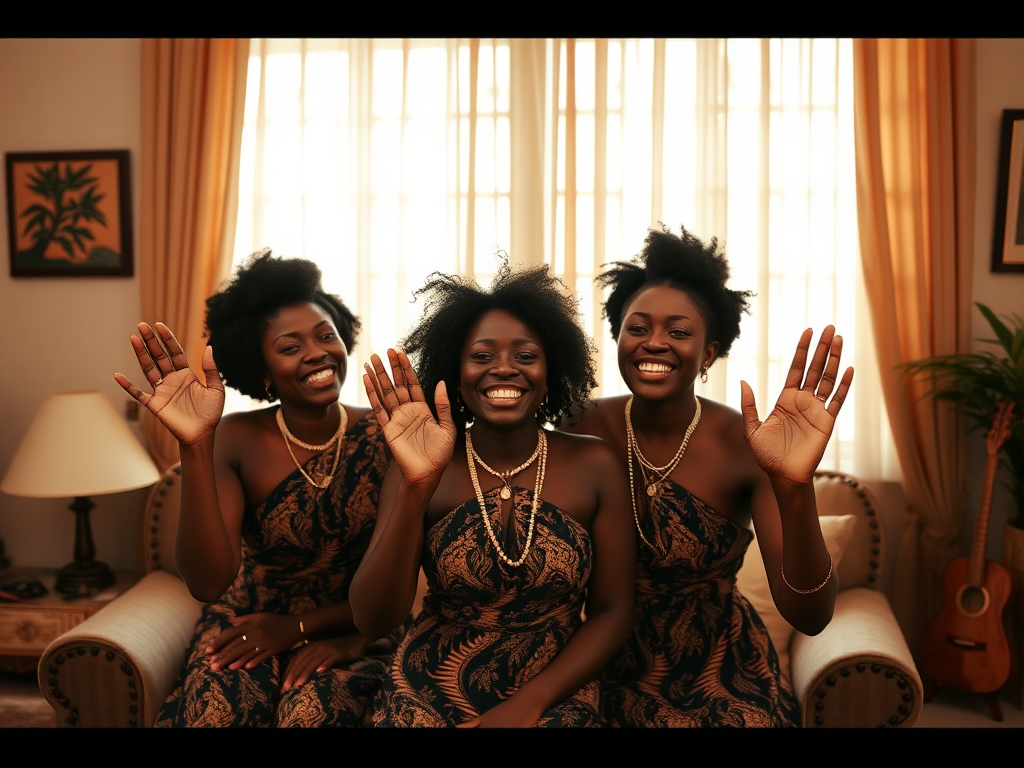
column 421, row 444
column 188, row 408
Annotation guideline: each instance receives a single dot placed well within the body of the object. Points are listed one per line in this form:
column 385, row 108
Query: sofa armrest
column 118, row 667
column 858, row 672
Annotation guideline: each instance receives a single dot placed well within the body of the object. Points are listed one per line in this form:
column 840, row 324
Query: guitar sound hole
column 973, row 600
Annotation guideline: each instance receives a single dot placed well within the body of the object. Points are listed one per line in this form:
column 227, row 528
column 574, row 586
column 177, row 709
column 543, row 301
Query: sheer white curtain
column 385, row 160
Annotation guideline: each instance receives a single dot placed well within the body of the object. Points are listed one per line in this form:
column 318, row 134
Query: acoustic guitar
column 966, row 646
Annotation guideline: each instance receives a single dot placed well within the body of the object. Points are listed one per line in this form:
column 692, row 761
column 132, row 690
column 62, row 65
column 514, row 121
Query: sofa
column 116, row 668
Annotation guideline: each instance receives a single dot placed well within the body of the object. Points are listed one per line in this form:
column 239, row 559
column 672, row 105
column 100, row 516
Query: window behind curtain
column 385, row 160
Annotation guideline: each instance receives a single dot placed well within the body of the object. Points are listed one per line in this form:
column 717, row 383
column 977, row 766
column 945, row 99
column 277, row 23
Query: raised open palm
column 188, row 408
column 421, row 444
column 791, row 441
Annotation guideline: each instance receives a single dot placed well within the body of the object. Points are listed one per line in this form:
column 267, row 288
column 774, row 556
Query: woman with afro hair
column 700, row 473
column 278, row 504
column 518, row 528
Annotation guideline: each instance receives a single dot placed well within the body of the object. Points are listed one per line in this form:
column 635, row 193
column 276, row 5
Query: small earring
column 270, row 395
column 704, row 375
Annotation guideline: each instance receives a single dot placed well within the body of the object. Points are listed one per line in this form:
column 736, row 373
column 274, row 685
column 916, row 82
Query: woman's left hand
column 789, row 444
column 321, row 655
column 254, row 638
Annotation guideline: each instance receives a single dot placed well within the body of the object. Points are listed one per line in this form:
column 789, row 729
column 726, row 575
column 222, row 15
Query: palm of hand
column 421, row 446
column 792, row 440
column 186, row 407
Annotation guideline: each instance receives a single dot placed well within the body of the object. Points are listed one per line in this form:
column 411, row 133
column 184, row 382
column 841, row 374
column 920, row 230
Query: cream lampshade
column 79, row 445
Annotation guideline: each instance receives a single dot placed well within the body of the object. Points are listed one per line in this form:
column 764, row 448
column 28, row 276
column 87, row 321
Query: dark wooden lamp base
column 86, row 575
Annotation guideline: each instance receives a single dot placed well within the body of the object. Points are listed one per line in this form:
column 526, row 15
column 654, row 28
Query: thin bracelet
column 807, row 591
column 302, row 629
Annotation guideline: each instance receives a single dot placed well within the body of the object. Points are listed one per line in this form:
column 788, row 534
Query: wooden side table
column 28, row 626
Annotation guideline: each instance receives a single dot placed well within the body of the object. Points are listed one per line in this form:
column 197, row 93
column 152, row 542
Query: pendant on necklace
column 653, row 489
column 506, row 493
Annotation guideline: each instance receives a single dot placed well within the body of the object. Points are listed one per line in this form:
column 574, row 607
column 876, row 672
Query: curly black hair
column 453, row 304
column 237, row 316
column 685, row 262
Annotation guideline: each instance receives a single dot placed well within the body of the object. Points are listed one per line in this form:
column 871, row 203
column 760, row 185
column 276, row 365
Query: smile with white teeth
column 654, row 367
column 316, row 378
column 503, row 394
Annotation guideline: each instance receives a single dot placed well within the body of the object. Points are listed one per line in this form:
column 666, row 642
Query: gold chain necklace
column 508, row 474
column 653, row 486
column 309, row 446
column 472, row 457
column 288, row 438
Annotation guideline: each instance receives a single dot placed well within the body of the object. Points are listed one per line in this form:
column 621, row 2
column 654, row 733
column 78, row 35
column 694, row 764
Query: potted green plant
column 977, row 382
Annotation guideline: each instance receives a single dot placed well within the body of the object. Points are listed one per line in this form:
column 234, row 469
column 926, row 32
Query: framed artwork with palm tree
column 69, row 213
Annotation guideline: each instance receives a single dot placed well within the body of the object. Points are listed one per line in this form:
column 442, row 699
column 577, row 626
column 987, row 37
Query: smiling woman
column 700, row 474
column 271, row 526
column 518, row 529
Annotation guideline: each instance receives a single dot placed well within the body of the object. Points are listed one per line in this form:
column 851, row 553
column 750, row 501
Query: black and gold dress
column 300, row 549
column 699, row 655
column 486, row 627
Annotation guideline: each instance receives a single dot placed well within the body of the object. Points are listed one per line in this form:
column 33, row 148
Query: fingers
column 748, row 407
column 401, row 373
column 156, row 352
column 826, row 380
column 443, row 406
column 305, row 663
column 841, row 393
column 174, row 349
column 382, row 384
column 210, row 369
column 796, row 368
column 131, row 389
column 375, row 396
column 411, row 379
column 149, row 367
column 821, row 378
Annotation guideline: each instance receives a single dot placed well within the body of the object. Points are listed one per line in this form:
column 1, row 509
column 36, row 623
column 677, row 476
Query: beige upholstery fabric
column 117, row 668
column 858, row 671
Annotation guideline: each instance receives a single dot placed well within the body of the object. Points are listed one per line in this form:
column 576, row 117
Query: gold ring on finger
column 244, row 638
column 257, row 649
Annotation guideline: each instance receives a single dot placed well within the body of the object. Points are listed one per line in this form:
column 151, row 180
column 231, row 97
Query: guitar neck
column 976, row 564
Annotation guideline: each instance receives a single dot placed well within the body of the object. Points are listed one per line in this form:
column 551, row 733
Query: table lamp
column 78, row 445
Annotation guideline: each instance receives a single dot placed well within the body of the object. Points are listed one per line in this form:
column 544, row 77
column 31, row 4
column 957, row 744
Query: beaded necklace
column 472, row 458
column 654, row 486
column 289, row 439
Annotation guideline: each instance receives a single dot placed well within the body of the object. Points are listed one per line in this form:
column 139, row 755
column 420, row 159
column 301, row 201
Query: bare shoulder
column 583, row 449
column 598, row 417
column 241, row 431
column 242, row 424
column 722, row 428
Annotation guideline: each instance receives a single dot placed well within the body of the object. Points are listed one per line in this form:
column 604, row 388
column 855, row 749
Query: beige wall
column 72, row 333
column 65, row 333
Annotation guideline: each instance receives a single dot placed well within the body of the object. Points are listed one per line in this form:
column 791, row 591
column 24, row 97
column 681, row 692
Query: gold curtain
column 915, row 148
column 193, row 95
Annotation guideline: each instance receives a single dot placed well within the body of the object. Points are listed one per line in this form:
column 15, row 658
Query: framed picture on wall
column 69, row 214
column 1008, row 241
